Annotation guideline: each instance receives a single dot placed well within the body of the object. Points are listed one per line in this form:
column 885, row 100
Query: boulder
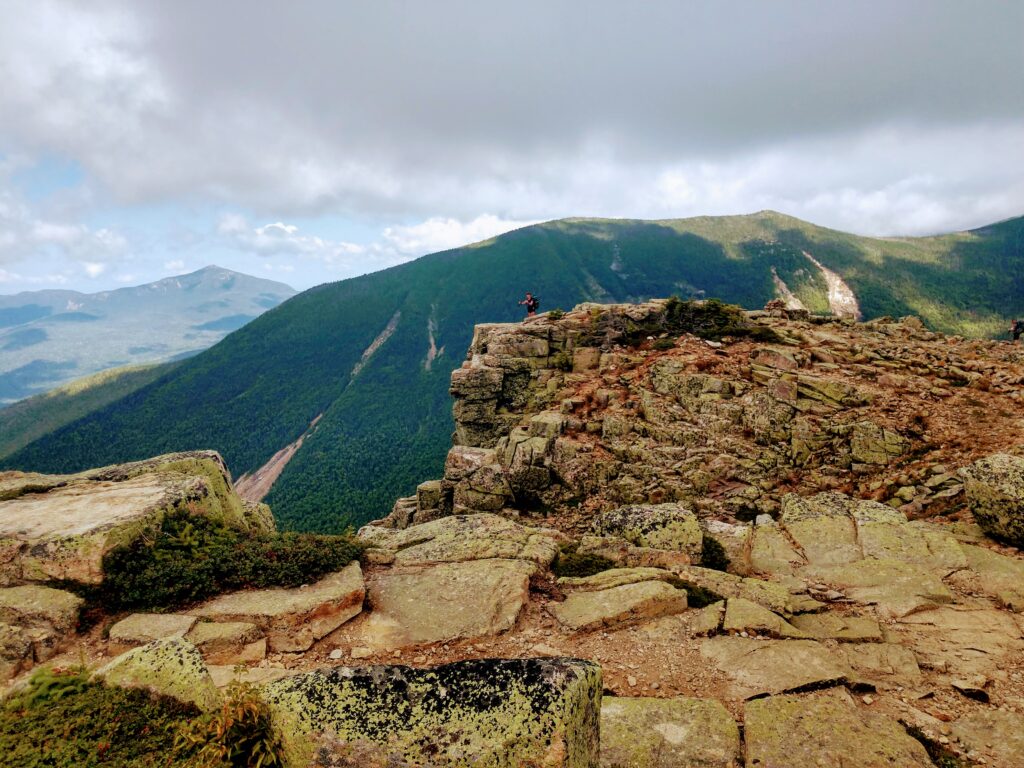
column 170, row 667
column 667, row 733
column 759, row 667
column 142, row 628
column 826, row 728
column 823, row 527
column 16, row 654
column 415, row 605
column 672, row 527
column 64, row 533
column 585, row 611
column 487, row 712
column 995, row 494
column 460, row 538
column 43, row 615
column 228, row 642
column 293, row 619
column 745, row 616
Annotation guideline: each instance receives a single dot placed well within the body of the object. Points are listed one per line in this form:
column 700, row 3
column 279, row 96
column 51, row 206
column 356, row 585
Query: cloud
column 394, row 245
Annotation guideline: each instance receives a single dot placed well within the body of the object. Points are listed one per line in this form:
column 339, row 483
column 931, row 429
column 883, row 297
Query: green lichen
column 493, row 713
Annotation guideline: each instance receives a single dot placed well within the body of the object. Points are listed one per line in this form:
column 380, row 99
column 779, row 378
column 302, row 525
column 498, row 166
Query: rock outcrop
column 490, row 712
column 59, row 527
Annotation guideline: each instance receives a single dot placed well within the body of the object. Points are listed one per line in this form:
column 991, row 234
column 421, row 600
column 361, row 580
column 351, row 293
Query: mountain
column 49, row 338
column 345, row 385
column 33, row 417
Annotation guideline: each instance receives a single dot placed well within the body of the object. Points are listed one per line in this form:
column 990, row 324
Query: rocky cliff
column 667, row 534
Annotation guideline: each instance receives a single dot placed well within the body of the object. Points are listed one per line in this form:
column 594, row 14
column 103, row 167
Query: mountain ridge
column 387, row 426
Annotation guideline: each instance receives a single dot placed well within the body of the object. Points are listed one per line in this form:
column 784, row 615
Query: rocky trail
column 768, row 540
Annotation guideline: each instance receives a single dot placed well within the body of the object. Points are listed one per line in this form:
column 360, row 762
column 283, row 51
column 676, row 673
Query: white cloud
column 94, row 268
column 394, row 245
column 174, row 265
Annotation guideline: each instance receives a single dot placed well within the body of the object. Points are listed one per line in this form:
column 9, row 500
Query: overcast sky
column 311, row 141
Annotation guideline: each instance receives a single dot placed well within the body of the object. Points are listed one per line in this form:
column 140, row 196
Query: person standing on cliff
column 531, row 302
column 1016, row 328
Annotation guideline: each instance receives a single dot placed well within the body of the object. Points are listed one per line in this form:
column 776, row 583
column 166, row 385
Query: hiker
column 1016, row 328
column 531, row 302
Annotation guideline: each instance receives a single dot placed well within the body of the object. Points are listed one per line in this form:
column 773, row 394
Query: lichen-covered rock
column 170, row 667
column 995, row 493
column 627, row 555
column 142, row 628
column 293, row 619
column 44, row 615
column 613, row 577
column 465, row 537
column 826, row 728
column 15, row 651
column 672, row 527
column 667, row 733
column 872, row 444
column 489, row 713
column 258, row 517
column 882, row 665
column 64, row 533
column 823, row 527
column 745, row 616
column 584, row 611
column 413, row 605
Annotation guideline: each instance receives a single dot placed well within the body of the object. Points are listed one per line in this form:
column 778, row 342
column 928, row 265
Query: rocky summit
column 667, row 534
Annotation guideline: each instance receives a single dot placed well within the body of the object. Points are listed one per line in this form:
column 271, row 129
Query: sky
column 315, row 140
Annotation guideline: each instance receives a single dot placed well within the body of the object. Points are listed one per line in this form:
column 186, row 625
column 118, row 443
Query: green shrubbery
column 61, row 720
column 696, row 597
column 192, row 558
column 571, row 563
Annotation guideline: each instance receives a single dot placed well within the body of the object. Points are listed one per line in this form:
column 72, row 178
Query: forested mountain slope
column 371, row 356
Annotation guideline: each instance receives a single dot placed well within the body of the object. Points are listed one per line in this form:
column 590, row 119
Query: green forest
column 388, row 427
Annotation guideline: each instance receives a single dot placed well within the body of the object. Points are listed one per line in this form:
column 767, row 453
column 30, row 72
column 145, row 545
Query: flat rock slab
column 823, row 730
column 962, row 641
column 294, row 619
column 229, row 642
column 486, row 712
column 896, row 587
column 613, row 577
column 459, row 538
column 667, row 733
column 996, row 734
column 759, row 667
column 882, row 665
column 834, row 626
column 585, row 611
column 745, row 616
column 416, row 605
column 142, row 628
column 171, row 667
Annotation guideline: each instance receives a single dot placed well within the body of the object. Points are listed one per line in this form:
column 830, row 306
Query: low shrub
column 238, row 735
column 696, row 597
column 192, row 558
column 61, row 720
column 571, row 563
column 556, row 314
